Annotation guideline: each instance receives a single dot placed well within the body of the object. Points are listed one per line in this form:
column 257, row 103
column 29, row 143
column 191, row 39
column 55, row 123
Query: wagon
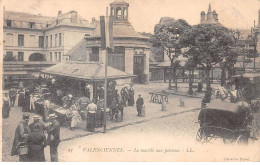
column 228, row 121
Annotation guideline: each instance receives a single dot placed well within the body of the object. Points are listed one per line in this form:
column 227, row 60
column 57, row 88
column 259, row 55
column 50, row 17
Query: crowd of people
column 30, row 139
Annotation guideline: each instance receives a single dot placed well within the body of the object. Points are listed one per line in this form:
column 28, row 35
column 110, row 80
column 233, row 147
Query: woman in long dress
column 76, row 118
column 6, row 106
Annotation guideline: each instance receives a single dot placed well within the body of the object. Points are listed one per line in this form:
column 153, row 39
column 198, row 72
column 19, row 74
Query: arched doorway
column 36, row 57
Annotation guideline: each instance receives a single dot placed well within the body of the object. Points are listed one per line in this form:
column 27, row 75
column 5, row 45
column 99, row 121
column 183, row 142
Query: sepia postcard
column 130, row 80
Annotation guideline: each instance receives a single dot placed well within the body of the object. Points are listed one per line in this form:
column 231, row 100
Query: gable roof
column 26, row 17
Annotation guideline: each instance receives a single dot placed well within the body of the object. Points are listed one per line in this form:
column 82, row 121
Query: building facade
column 29, row 37
column 131, row 49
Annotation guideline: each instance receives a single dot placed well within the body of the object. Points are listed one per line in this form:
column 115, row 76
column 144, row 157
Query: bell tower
column 119, row 10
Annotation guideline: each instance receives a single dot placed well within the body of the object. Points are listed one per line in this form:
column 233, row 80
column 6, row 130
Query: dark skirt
column 5, row 110
column 91, row 122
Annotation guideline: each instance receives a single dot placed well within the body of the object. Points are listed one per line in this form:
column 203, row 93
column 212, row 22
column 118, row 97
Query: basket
column 22, row 149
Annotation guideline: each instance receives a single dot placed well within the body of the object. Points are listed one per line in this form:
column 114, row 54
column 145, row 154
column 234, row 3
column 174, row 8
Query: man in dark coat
column 12, row 95
column 139, row 104
column 26, row 104
column 21, row 136
column 37, row 142
column 53, row 137
column 37, row 125
column 131, row 93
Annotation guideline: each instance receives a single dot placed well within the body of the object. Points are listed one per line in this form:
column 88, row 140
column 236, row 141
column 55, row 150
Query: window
column 20, row 56
column 60, row 42
column 50, row 40
column 9, row 23
column 50, row 56
column 31, row 25
column 41, row 41
column 94, row 56
column 20, row 40
column 55, row 56
column 46, row 41
column 56, row 37
column 59, row 56
column 9, row 39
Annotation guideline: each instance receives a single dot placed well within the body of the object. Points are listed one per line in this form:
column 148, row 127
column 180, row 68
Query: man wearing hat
column 21, row 136
column 38, row 124
column 139, row 104
column 67, row 101
column 53, row 137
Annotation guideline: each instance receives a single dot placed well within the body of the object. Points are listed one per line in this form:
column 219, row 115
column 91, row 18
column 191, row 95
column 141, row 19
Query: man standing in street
column 12, row 96
column 21, row 138
column 53, row 137
column 139, row 104
column 37, row 124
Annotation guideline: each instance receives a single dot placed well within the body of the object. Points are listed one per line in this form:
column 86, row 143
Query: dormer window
column 9, row 23
column 32, row 25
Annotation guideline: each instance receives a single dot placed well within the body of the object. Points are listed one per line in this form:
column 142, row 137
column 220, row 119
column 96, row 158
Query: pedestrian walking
column 139, row 104
column 21, row 139
column 120, row 108
column 12, row 96
column 37, row 143
column 113, row 108
column 53, row 139
column 37, row 125
column 100, row 114
column 131, row 93
column 6, row 106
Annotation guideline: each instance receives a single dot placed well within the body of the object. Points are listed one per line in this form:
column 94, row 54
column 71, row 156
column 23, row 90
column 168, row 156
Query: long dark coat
column 131, row 99
column 37, row 142
column 20, row 131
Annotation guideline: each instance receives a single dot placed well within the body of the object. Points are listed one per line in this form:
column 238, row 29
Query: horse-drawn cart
column 229, row 121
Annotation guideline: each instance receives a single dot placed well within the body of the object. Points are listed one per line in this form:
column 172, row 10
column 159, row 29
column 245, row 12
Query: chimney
column 259, row 18
column 59, row 12
column 202, row 16
column 74, row 17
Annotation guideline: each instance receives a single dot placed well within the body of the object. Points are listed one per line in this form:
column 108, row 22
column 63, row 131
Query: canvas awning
column 86, row 71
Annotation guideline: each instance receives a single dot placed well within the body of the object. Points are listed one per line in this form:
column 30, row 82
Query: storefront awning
column 15, row 73
column 86, row 71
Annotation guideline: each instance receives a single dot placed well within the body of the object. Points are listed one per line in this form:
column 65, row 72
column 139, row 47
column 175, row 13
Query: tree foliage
column 166, row 37
column 207, row 45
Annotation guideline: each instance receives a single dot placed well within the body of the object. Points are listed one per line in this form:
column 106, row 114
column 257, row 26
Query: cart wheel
column 242, row 139
column 202, row 137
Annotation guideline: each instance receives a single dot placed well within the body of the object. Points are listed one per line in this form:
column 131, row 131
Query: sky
column 144, row 14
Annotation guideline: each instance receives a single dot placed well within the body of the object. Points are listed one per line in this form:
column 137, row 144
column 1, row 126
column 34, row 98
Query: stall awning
column 15, row 73
column 86, row 71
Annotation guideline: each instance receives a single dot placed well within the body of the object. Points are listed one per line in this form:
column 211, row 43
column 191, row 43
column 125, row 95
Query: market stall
column 78, row 79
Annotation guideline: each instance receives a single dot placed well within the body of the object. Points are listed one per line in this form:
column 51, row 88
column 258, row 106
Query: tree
column 190, row 66
column 207, row 43
column 166, row 36
column 227, row 64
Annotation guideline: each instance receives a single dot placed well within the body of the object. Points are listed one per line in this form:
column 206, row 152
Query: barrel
column 91, row 121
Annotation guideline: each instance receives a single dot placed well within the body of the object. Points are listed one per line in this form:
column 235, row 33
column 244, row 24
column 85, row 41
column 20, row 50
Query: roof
column 211, row 21
column 26, row 17
column 65, row 19
column 121, row 29
column 119, row 2
column 78, row 52
column 86, row 71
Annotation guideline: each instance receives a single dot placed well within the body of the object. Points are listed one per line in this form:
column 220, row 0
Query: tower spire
column 209, row 10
